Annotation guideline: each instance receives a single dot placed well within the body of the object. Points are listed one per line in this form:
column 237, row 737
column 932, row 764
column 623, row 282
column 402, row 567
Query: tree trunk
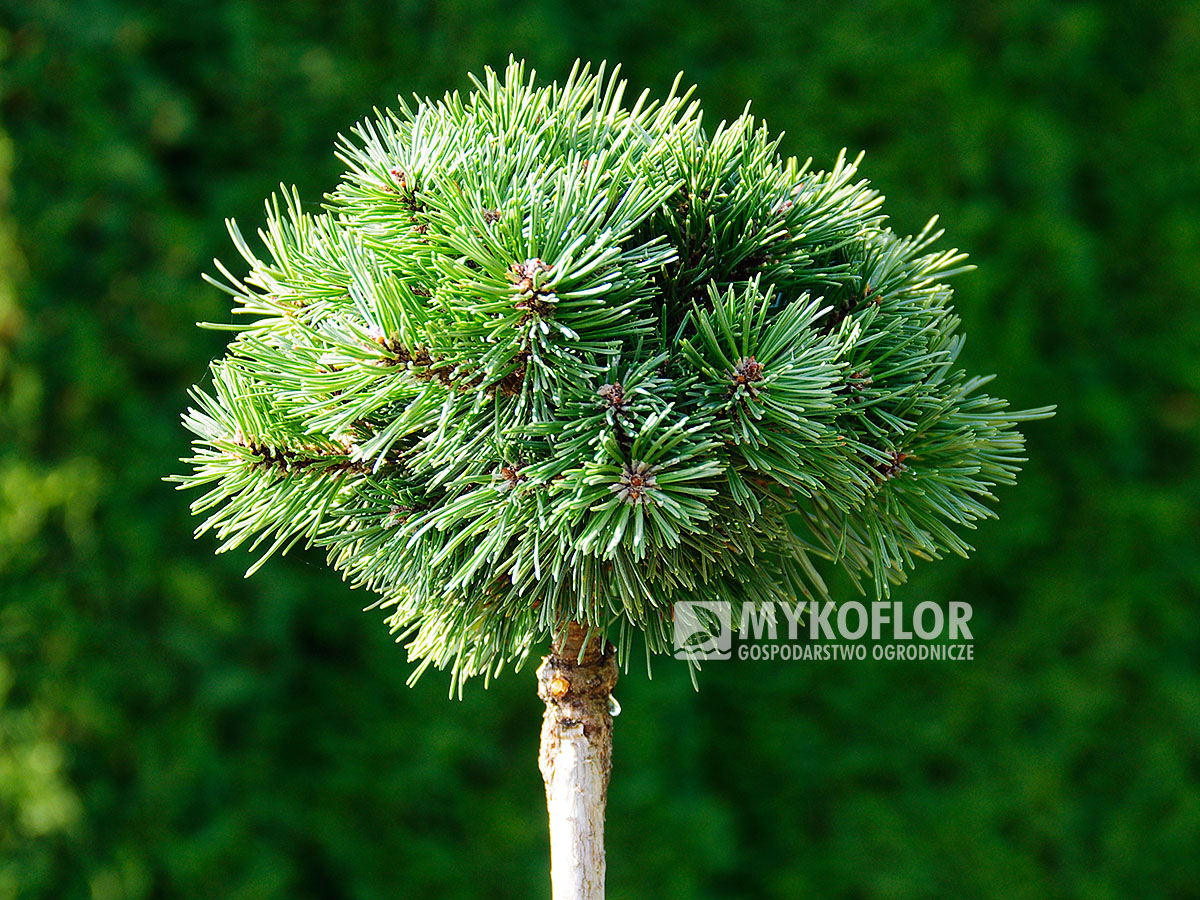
column 576, row 759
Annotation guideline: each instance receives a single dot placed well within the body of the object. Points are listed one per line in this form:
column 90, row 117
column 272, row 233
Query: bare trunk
column 576, row 759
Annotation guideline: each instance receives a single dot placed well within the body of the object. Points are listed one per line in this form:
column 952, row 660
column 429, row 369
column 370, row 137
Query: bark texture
column 576, row 759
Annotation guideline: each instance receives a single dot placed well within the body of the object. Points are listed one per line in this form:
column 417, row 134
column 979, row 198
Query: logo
column 703, row 629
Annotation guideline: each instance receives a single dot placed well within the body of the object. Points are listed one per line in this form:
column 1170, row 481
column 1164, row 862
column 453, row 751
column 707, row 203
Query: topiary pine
column 545, row 365
column 545, row 359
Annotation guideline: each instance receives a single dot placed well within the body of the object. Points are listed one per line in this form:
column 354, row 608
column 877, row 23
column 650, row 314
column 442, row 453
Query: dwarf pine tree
column 547, row 362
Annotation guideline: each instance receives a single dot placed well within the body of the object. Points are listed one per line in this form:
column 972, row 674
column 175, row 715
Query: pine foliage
column 545, row 356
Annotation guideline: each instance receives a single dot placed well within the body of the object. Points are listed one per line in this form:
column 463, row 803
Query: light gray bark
column 576, row 759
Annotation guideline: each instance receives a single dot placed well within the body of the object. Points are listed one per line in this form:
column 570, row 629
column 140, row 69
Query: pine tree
column 546, row 363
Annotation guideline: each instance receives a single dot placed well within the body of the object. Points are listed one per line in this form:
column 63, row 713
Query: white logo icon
column 703, row 629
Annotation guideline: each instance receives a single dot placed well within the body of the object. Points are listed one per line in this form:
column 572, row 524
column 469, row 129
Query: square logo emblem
column 703, row 629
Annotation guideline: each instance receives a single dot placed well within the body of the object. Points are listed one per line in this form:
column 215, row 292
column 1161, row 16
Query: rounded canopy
column 546, row 356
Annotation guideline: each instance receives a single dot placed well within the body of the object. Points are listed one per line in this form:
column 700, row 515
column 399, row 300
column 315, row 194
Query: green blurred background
column 170, row 730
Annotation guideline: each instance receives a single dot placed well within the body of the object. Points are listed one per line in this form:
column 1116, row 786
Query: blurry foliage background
column 169, row 730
